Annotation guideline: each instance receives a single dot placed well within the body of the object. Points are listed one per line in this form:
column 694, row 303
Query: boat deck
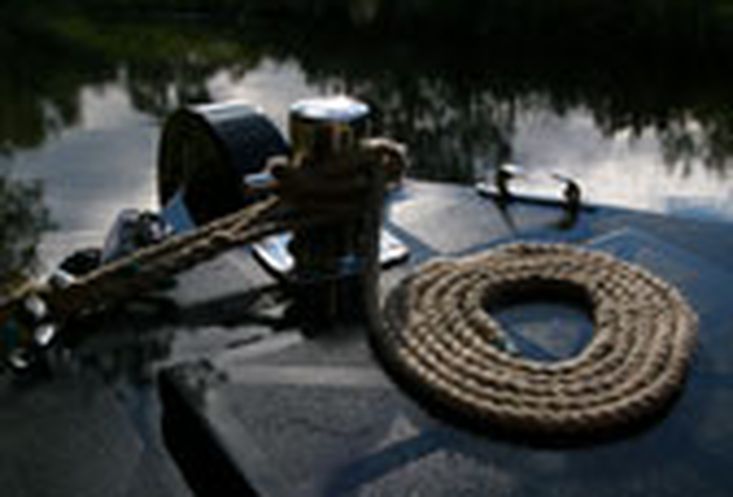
column 318, row 416
column 250, row 406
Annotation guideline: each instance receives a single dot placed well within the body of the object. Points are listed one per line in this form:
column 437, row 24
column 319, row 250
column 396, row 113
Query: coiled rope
column 438, row 337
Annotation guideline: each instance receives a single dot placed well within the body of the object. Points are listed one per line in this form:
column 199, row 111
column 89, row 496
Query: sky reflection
column 83, row 113
column 626, row 169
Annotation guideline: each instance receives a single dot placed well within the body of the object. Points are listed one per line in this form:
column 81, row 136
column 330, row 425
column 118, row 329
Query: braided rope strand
column 437, row 336
column 147, row 267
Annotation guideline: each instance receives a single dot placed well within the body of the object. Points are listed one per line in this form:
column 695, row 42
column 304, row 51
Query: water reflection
column 23, row 218
column 463, row 103
column 40, row 88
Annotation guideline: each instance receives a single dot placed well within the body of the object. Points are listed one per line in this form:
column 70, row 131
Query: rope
column 437, row 336
column 295, row 204
column 149, row 266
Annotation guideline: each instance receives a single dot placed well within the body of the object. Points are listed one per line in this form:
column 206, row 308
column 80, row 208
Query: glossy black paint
column 319, row 416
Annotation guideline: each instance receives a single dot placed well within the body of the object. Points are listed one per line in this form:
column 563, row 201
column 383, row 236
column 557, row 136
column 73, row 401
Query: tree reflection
column 48, row 61
column 458, row 104
column 39, row 86
column 162, row 66
column 447, row 77
column 23, row 218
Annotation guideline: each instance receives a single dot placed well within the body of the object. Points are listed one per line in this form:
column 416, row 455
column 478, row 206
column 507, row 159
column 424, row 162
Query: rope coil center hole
column 543, row 320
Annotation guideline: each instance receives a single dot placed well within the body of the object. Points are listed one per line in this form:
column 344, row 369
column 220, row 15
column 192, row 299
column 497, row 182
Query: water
column 83, row 98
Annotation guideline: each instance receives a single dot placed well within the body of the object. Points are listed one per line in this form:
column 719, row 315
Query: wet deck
column 318, row 416
column 248, row 407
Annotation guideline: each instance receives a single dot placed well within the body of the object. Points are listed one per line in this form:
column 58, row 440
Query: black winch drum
column 206, row 151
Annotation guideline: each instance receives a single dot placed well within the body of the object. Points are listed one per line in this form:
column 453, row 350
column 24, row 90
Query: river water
column 84, row 99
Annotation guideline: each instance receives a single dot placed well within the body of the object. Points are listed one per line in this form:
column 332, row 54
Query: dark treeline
column 49, row 59
column 455, row 99
column 570, row 24
column 39, row 84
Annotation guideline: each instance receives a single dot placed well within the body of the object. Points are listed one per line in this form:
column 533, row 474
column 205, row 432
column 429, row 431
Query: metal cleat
column 131, row 231
column 44, row 334
column 507, row 173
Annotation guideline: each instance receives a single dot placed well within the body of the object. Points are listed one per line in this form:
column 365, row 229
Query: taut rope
column 438, row 337
column 147, row 267
column 294, row 205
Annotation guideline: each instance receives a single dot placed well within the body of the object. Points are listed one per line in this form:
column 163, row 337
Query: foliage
column 22, row 220
column 451, row 77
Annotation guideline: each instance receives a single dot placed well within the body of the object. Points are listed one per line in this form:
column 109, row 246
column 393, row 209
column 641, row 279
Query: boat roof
column 220, row 395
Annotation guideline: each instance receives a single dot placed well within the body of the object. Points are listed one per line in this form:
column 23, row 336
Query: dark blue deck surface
column 251, row 407
column 289, row 415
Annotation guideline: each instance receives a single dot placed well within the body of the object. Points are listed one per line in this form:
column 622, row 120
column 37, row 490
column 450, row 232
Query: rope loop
column 438, row 337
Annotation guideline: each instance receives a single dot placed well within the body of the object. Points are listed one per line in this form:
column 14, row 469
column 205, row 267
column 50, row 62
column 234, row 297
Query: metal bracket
column 571, row 191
